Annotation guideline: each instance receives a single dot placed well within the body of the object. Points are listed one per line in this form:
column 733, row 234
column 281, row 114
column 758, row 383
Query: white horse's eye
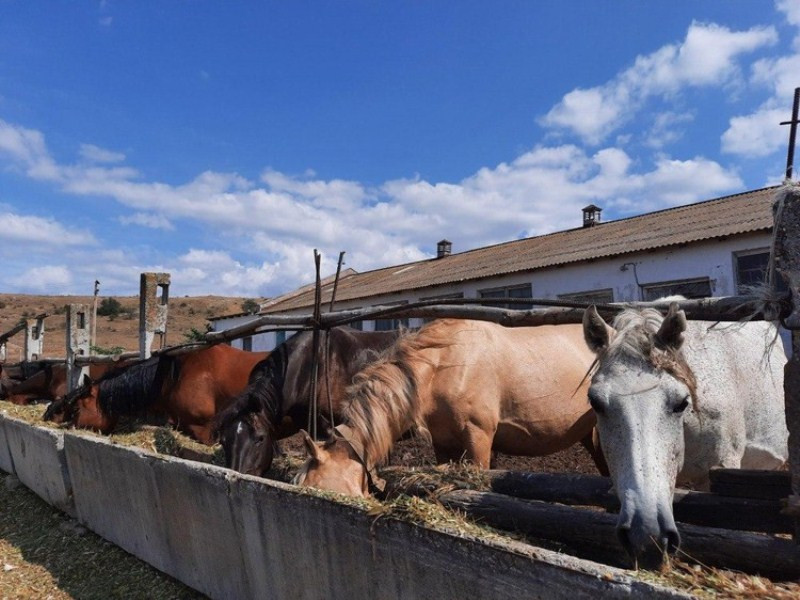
column 682, row 406
column 597, row 404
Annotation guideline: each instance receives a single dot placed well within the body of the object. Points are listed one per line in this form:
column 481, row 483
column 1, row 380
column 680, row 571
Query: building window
column 390, row 324
column 591, row 297
column 751, row 270
column 688, row 288
column 516, row 291
column 247, row 343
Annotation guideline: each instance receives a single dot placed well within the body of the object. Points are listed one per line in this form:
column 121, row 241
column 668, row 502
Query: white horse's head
column 640, row 393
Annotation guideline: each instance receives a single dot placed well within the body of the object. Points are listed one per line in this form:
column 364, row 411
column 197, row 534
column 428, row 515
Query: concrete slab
column 6, row 463
column 199, row 523
column 300, row 546
column 37, row 454
column 116, row 496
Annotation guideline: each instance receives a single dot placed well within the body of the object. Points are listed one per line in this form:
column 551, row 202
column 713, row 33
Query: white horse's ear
column 311, row 447
column 595, row 330
column 670, row 334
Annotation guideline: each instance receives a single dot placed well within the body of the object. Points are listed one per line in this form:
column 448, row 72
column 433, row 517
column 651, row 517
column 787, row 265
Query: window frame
column 506, row 289
column 584, row 296
column 646, row 287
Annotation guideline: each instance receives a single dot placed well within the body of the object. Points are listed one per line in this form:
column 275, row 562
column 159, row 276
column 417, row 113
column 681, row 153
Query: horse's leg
column 478, row 445
column 592, row 443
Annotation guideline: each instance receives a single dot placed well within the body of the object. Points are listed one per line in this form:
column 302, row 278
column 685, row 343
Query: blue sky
column 222, row 142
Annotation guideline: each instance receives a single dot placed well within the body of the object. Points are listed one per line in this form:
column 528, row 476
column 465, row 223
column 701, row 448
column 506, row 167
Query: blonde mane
column 383, row 399
column 635, row 338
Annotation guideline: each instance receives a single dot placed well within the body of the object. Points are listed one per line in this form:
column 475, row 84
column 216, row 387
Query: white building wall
column 714, row 259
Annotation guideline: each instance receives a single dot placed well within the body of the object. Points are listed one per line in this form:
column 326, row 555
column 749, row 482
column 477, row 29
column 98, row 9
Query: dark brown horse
column 189, row 389
column 276, row 403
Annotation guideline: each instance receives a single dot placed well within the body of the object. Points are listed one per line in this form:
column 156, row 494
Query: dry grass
column 45, row 554
column 709, row 582
column 122, row 331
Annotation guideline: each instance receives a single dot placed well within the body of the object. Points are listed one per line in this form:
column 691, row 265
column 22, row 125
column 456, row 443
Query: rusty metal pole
column 786, row 259
column 792, row 133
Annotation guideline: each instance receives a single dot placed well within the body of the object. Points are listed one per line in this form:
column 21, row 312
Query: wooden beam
column 732, row 308
column 786, row 261
column 592, row 534
column 750, row 483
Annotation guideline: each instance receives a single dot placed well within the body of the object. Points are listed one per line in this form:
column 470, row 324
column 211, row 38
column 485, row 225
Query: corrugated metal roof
column 721, row 217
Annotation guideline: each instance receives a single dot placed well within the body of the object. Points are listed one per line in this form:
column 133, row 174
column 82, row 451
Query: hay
column 45, row 554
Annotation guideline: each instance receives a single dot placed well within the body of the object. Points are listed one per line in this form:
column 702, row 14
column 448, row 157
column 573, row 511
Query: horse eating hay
column 190, row 389
column 674, row 399
column 276, row 403
column 474, row 387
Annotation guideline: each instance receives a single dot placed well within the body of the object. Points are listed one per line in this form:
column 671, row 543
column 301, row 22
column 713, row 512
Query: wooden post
column 152, row 311
column 786, row 258
column 77, row 342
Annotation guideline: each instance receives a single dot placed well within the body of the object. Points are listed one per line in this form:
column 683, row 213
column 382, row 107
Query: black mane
column 264, row 393
column 130, row 390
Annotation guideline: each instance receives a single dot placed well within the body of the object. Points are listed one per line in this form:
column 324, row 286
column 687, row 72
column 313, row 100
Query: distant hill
column 120, row 331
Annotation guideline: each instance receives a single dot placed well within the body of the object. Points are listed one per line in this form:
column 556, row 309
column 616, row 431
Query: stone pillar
column 34, row 338
column 786, row 258
column 77, row 342
column 152, row 310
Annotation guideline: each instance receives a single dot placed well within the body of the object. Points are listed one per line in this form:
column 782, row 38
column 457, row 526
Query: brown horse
column 48, row 382
column 189, row 389
column 473, row 387
column 276, row 404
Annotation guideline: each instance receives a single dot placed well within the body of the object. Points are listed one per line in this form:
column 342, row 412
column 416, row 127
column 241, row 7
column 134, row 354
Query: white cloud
column 96, row 154
column 667, row 128
column 38, row 231
column 283, row 218
column 150, row 220
column 756, row 134
column 791, row 8
column 47, row 278
column 707, row 56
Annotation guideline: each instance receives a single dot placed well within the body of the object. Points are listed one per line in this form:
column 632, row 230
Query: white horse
column 668, row 411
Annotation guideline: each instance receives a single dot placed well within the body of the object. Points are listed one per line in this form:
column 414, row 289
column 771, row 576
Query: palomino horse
column 474, row 387
column 190, row 389
column 674, row 400
column 276, row 403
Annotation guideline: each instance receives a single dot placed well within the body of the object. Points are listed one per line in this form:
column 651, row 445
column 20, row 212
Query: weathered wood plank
column 786, row 262
column 698, row 508
column 592, row 534
column 751, row 483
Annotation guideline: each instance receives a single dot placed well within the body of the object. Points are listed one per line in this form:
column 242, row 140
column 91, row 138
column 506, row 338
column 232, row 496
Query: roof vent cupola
column 591, row 215
column 444, row 248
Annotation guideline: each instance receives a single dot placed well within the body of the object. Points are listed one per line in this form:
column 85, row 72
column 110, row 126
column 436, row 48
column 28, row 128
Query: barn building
column 711, row 248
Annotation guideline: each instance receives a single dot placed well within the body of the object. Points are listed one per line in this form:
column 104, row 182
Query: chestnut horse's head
column 81, row 408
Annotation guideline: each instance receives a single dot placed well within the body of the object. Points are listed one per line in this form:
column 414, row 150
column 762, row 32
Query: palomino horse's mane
column 383, row 400
column 635, row 338
column 132, row 389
